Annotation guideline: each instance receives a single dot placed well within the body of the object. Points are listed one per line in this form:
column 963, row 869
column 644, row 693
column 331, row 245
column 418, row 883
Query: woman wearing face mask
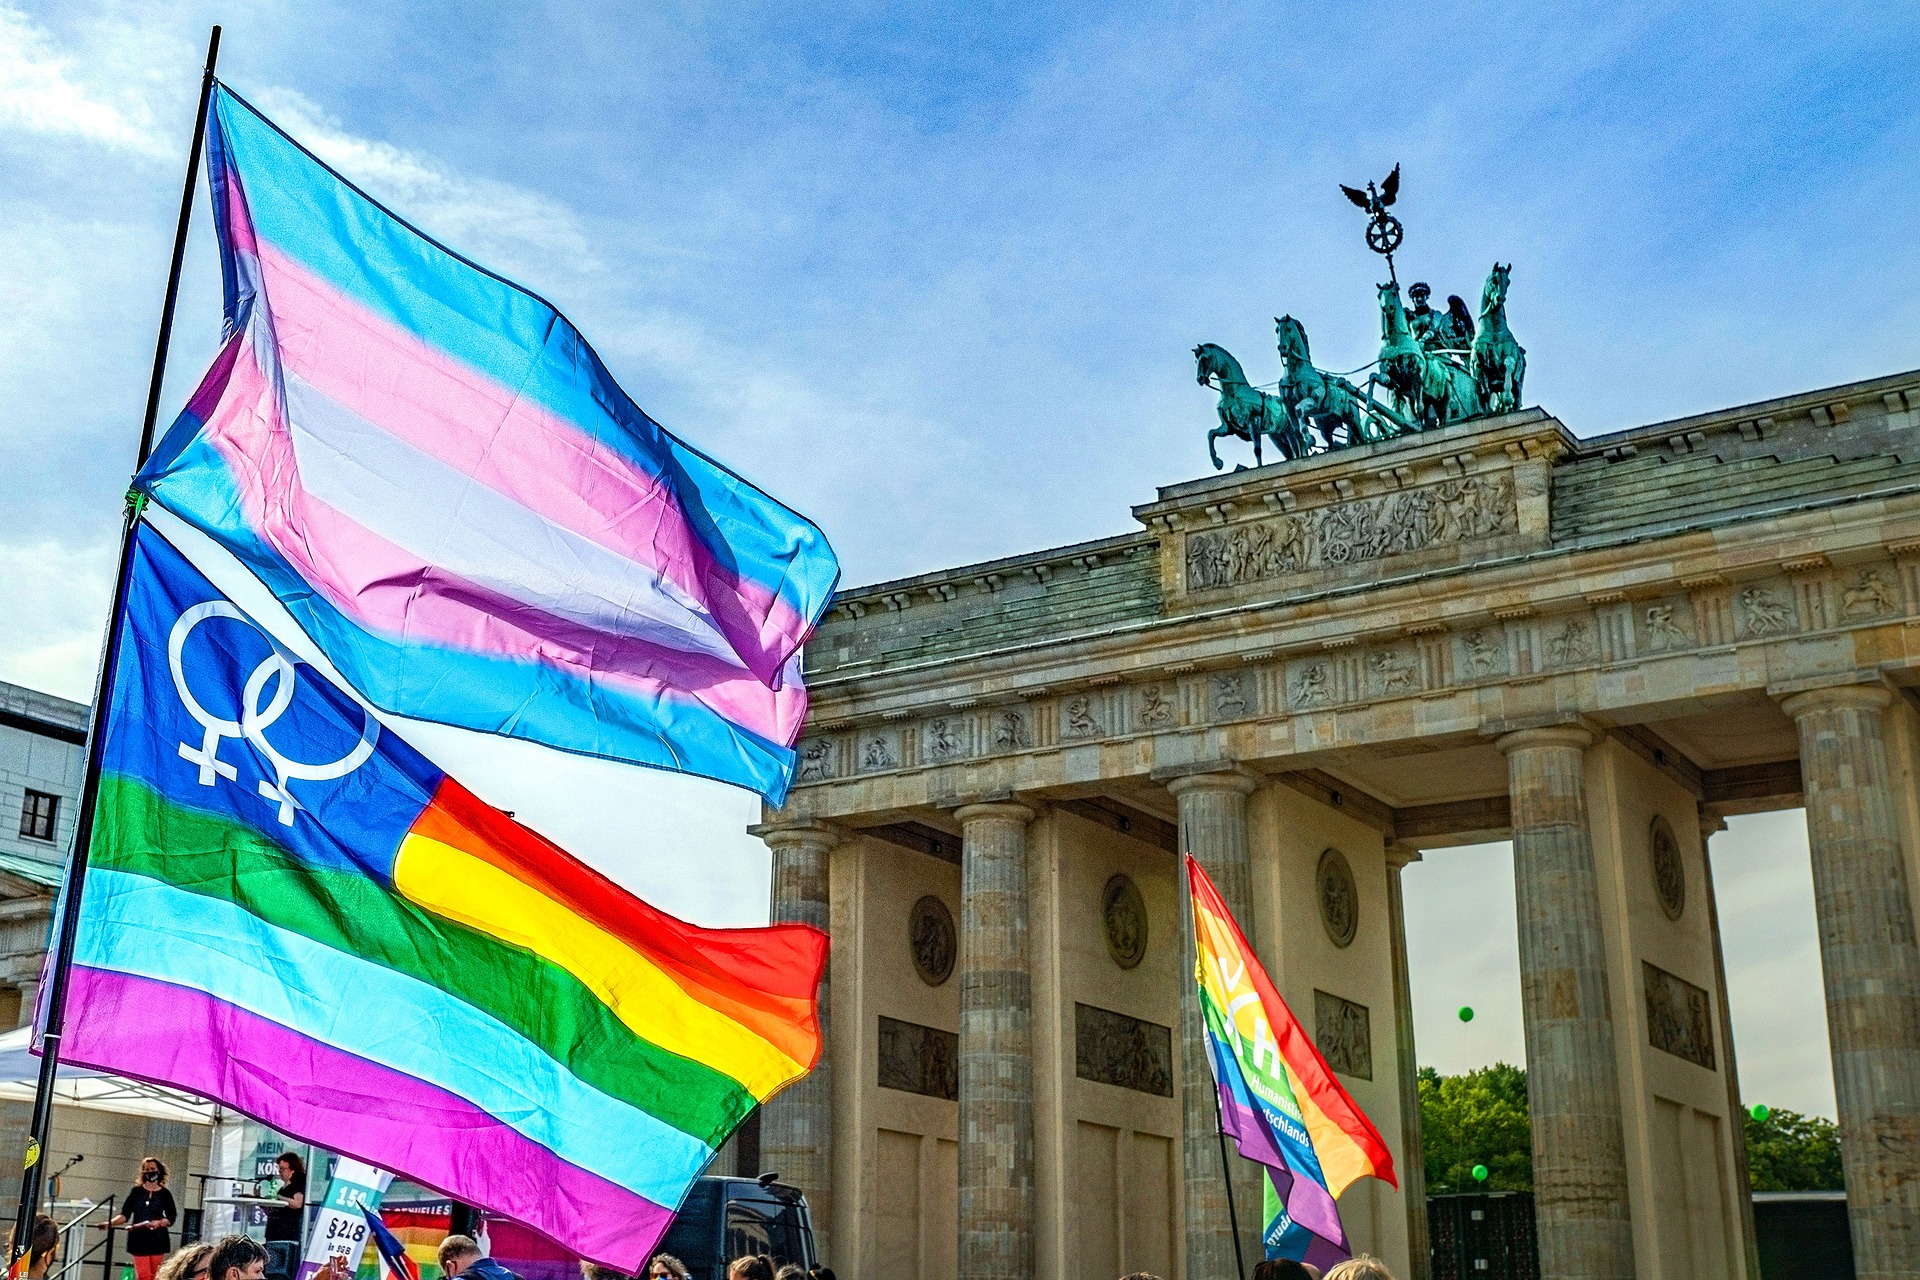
column 146, row 1213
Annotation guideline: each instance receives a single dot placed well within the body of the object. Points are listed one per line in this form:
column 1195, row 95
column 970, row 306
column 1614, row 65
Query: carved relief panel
column 917, row 1059
column 1463, row 510
column 1679, row 1017
column 1132, row 1053
column 1344, row 1032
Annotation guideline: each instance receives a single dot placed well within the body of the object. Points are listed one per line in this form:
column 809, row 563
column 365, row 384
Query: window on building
column 37, row 815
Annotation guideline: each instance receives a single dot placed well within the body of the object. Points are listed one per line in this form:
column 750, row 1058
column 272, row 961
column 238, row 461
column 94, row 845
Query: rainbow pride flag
column 292, row 911
column 1278, row 1098
column 434, row 473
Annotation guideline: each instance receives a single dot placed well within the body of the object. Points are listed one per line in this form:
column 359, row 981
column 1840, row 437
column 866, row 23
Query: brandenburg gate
column 1310, row 674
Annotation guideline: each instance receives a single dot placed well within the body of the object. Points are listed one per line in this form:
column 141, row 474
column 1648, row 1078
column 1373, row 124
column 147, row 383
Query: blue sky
column 932, row 273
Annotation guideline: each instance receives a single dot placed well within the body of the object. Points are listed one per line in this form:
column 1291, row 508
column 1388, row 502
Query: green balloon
column 1479, row 1173
column 1466, row 1013
column 1760, row 1111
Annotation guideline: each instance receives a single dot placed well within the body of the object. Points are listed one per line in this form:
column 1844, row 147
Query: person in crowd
column 1363, row 1267
column 146, row 1213
column 751, row 1267
column 461, row 1256
column 1284, row 1269
column 792, row 1271
column 237, row 1258
column 286, row 1223
column 1140, row 1275
column 43, row 1246
column 594, row 1271
column 667, row 1267
column 822, row 1273
column 187, row 1263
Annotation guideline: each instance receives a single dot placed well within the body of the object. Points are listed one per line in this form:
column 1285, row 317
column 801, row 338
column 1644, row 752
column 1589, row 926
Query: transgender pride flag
column 435, row 474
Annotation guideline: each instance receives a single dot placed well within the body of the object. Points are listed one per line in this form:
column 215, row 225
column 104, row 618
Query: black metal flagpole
column 1226, row 1176
column 56, row 994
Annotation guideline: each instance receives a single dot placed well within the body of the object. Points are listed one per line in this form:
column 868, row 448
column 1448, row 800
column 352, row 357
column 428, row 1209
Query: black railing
column 69, row 1258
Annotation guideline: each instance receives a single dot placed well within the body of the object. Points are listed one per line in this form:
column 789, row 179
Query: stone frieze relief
column 1514, row 646
column 1393, row 524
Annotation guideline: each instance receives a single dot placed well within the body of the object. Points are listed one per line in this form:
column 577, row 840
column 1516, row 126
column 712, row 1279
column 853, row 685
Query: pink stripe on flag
column 188, row 1039
column 387, row 589
column 448, row 410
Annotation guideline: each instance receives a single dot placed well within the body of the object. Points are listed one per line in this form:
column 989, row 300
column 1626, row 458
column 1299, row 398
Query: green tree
column 1476, row 1118
column 1790, row 1152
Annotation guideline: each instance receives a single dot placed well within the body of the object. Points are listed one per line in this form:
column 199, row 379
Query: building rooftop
column 1800, row 452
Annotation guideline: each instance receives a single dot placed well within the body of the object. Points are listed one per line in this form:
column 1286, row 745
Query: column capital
column 1400, row 855
column 1220, row 778
column 801, row 832
column 1837, row 697
column 990, row 810
column 1552, row 735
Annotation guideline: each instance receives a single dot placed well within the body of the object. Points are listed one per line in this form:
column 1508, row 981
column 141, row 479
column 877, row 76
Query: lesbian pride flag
column 290, row 910
column 1278, row 1098
column 432, row 470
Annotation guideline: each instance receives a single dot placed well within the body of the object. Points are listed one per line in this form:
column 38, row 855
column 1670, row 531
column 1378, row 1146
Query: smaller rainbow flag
column 1278, row 1098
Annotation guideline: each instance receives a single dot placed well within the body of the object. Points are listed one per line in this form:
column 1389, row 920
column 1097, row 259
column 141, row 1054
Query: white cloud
column 46, row 91
column 495, row 223
column 56, row 598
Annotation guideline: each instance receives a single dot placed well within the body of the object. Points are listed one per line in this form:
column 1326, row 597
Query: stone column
column 1213, row 828
column 796, row 1128
column 1871, row 965
column 1736, row 1123
column 29, row 989
column 1412, row 1163
column 996, row 1046
column 1573, row 1080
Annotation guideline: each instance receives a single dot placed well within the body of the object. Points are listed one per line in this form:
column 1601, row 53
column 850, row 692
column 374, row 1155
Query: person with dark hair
column 822, row 1273
column 1284, row 1269
column 43, row 1246
column 146, row 1213
column 286, row 1224
column 667, row 1267
column 238, row 1258
column 751, row 1267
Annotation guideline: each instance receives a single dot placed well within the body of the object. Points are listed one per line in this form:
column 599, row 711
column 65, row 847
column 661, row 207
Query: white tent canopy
column 85, row 1087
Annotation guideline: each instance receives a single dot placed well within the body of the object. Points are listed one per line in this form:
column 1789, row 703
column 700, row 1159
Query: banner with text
column 340, row 1231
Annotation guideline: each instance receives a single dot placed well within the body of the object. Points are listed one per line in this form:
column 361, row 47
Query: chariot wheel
column 1385, row 233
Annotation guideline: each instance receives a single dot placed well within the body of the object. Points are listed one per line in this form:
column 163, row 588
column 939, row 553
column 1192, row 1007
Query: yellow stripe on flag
column 452, row 883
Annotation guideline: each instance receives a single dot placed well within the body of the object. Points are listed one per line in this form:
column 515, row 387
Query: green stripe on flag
column 142, row 833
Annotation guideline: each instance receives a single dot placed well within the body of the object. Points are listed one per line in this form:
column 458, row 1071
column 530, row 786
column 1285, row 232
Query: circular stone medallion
column 1669, row 874
column 931, row 933
column 1339, row 898
column 1124, row 914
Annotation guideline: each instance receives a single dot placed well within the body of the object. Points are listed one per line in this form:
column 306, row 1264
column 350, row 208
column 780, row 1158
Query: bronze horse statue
column 1427, row 387
column 1499, row 362
column 1245, row 412
column 1326, row 401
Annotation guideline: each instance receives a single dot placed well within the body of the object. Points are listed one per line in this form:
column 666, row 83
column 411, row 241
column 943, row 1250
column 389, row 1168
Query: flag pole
column 34, row 1163
column 1226, row 1176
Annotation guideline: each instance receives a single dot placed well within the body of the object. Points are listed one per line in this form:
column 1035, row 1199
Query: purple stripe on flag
column 385, row 589
column 156, row 1031
column 1308, row 1202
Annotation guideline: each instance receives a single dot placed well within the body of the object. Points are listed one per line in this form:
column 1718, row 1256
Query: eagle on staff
column 1384, row 232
